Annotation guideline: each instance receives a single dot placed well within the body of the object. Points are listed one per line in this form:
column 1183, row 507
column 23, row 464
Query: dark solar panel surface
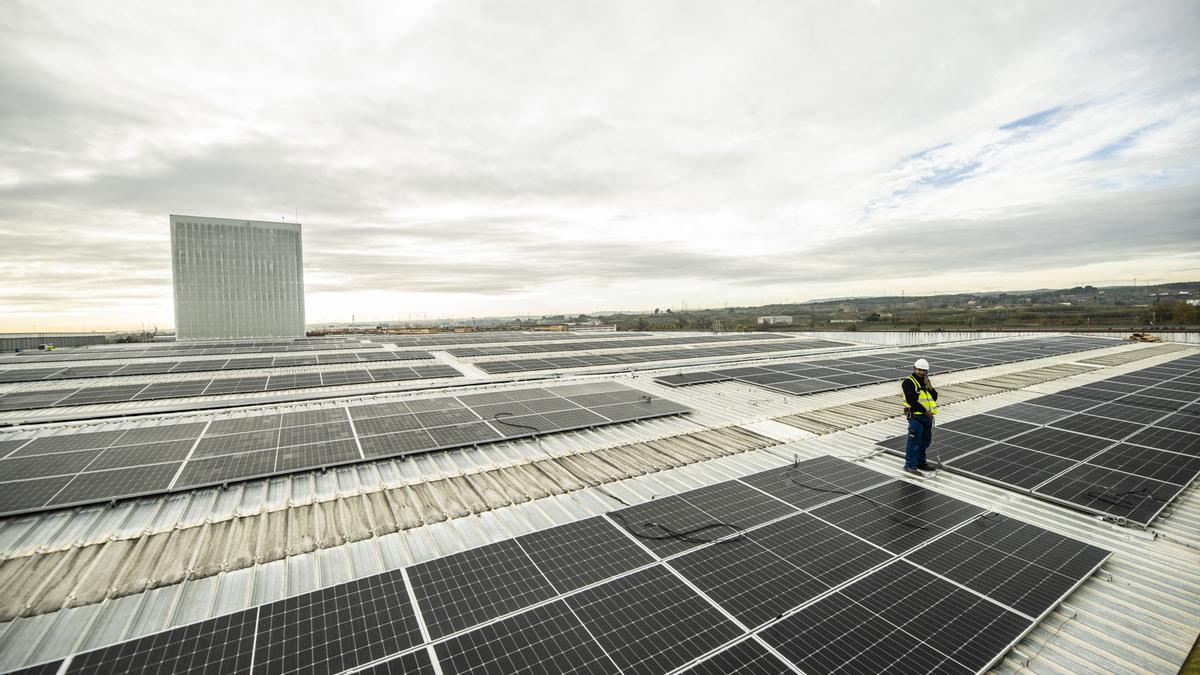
column 1115, row 447
column 166, row 367
column 739, row 347
column 898, row 619
column 68, row 469
column 849, row 371
column 585, row 597
column 60, row 397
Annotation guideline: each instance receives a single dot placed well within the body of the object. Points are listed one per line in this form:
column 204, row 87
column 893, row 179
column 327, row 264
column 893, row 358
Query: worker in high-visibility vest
column 920, row 407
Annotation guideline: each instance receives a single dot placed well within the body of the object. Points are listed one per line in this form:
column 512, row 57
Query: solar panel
column 1093, row 425
column 747, row 657
column 337, row 628
column 659, row 522
column 1134, row 498
column 578, row 554
column 251, row 447
column 896, row 515
column 1012, row 465
column 773, row 569
column 650, row 621
column 131, row 480
column 411, row 663
column 1019, row 565
column 1029, row 412
column 545, row 639
column 1161, row 465
column 1168, row 439
column 815, row 481
column 988, row 426
column 462, row 590
column 897, row 619
column 221, row 645
column 836, row 373
column 1066, row 444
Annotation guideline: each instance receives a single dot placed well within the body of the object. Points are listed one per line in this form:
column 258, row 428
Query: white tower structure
column 236, row 278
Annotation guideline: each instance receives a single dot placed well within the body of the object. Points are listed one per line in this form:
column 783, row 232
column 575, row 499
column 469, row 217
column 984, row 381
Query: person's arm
column 929, row 388
column 910, row 396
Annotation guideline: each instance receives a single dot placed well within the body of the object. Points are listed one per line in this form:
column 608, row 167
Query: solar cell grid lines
column 639, row 620
column 1115, row 450
column 465, row 589
column 242, row 448
column 61, row 397
column 898, row 619
column 897, row 515
column 634, row 358
column 552, row 601
column 747, row 657
column 1020, row 565
column 838, row 373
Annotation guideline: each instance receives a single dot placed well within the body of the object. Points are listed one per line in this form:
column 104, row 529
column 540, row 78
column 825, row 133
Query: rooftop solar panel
column 545, row 639
column 897, row 515
column 224, row 644
column 337, row 628
column 747, row 657
column 1012, row 465
column 899, row 619
column 582, row 553
column 1107, row 491
column 1019, row 565
column 650, row 621
column 463, row 590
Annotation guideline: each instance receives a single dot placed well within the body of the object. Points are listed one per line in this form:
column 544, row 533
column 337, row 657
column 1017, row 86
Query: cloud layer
column 496, row 158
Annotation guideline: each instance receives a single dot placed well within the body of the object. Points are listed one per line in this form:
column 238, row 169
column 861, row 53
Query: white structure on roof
column 236, row 278
column 774, row 320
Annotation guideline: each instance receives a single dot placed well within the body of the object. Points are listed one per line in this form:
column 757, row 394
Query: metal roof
column 85, row 577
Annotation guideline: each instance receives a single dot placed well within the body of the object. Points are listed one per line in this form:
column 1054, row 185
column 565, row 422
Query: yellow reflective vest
column 923, row 397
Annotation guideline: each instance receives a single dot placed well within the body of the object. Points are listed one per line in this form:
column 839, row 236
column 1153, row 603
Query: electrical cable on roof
column 837, row 490
column 667, row 533
column 1118, row 498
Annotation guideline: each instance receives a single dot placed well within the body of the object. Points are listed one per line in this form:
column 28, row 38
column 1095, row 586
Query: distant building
column 236, row 278
column 774, row 320
column 594, row 329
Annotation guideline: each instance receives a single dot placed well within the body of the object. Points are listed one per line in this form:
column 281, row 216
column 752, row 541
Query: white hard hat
column 921, row 364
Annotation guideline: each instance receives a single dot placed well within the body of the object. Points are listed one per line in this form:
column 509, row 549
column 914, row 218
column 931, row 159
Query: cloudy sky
column 494, row 158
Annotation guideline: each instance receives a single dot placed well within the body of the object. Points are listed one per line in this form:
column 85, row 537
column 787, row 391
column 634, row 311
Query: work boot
column 909, row 469
column 926, row 466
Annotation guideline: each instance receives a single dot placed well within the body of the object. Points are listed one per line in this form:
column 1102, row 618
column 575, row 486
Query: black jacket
column 910, row 394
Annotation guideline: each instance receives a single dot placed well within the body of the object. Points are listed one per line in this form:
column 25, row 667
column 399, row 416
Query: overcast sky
column 494, row 158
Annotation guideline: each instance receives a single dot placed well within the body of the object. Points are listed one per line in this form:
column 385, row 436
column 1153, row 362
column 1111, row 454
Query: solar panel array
column 58, row 470
column 630, row 358
column 198, row 365
column 1123, row 447
column 583, row 345
column 852, row 371
column 870, row 575
column 202, row 349
column 492, row 337
column 120, row 393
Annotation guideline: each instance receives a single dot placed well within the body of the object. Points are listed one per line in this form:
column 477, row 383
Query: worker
column 920, row 407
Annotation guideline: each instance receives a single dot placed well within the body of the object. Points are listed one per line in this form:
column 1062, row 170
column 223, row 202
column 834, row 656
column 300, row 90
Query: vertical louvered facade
column 236, row 278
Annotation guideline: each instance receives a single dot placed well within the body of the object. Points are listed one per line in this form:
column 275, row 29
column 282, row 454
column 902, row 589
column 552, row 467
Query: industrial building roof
column 87, row 576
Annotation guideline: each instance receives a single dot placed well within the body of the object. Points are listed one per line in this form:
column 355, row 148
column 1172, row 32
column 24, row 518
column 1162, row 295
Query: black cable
column 667, row 533
column 840, row 491
column 1118, row 498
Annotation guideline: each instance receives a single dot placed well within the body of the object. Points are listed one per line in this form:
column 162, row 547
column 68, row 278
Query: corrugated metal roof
column 92, row 576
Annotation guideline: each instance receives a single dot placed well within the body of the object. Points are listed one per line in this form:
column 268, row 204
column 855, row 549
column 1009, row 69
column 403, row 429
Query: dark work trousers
column 920, row 435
